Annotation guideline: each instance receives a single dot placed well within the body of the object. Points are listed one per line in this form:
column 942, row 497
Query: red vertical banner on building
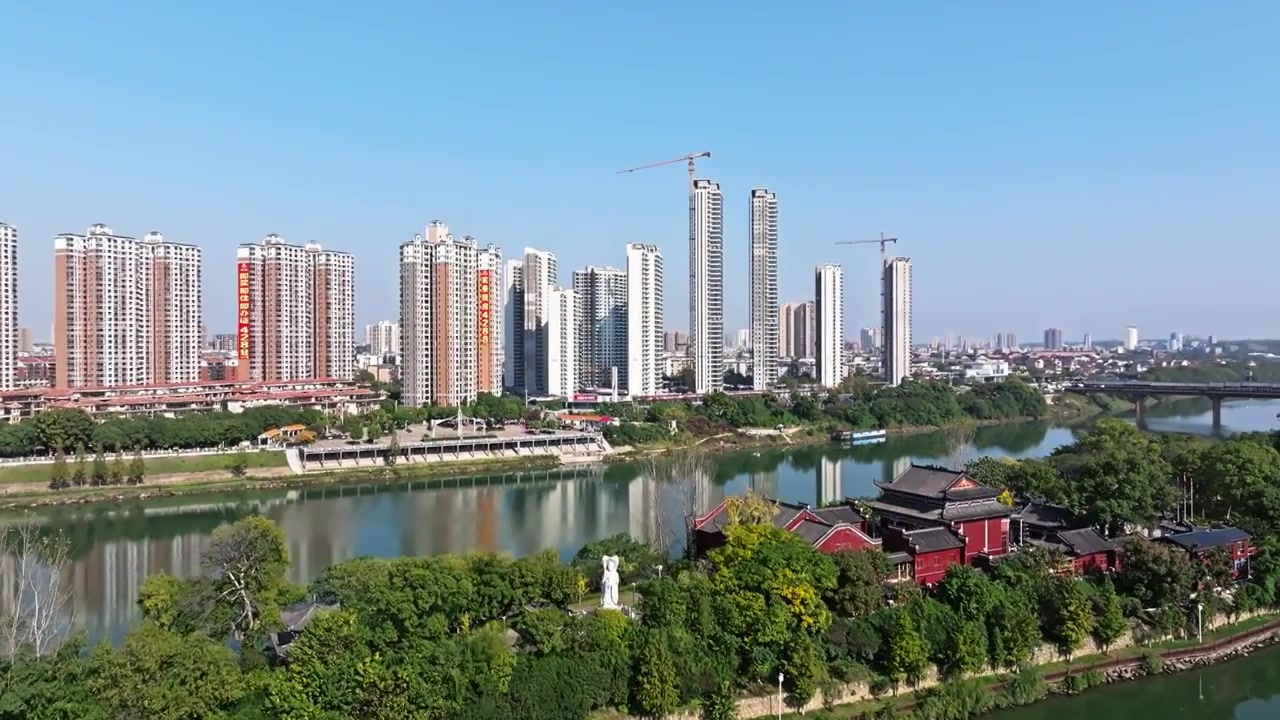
column 242, row 310
column 486, row 299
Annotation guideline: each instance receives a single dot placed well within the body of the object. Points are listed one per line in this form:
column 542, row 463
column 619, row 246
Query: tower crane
column 884, row 242
column 690, row 158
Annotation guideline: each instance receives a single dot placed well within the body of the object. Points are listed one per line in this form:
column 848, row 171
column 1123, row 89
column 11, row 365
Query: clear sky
column 1081, row 164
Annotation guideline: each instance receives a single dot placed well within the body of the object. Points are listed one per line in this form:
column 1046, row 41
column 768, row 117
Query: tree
column 959, row 437
column 655, row 692
column 680, row 480
column 721, row 703
column 904, row 653
column 1072, row 616
column 1235, row 482
column 239, row 463
column 1116, row 475
column 969, row 592
column 1109, row 624
column 638, row 561
column 79, row 472
column 803, row 671
column 393, row 449
column 118, row 471
column 966, row 648
column 59, row 474
column 63, row 428
column 137, row 468
column 101, row 472
column 246, row 561
column 166, row 676
column 1015, row 630
column 39, row 613
column 1156, row 574
column 860, row 578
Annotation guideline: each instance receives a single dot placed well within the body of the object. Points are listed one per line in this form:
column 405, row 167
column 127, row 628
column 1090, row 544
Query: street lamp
column 1200, row 623
column 779, row 696
column 659, row 572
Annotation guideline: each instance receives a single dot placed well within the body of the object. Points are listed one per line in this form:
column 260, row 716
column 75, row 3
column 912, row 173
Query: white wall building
column 538, row 280
column 764, row 288
column 986, row 370
column 8, row 306
column 1130, row 338
column 601, row 332
column 561, row 367
column 706, row 285
column 897, row 340
column 383, row 337
column 645, row 320
column 828, row 303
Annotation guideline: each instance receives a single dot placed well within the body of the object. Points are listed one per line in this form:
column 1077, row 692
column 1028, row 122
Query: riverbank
column 270, row 478
column 1226, row 642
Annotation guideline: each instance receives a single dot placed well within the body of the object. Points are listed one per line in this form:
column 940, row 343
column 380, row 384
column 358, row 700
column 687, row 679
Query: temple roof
column 938, row 483
column 932, row 540
column 785, row 515
column 1207, row 538
column 1047, row 516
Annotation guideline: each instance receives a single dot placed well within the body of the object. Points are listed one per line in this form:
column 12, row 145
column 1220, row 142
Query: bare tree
column 959, row 438
column 35, row 609
column 682, row 480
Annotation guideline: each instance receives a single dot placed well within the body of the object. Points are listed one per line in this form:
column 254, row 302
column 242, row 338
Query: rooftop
column 1207, row 538
column 940, row 483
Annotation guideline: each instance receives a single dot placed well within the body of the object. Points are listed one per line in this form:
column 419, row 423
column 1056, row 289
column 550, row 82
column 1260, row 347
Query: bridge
column 1139, row 391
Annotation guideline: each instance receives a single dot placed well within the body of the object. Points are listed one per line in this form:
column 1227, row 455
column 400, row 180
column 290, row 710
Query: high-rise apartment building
column 601, row 332
column 539, row 278
column 383, row 337
column 450, row 320
column 296, row 311
column 645, row 320
column 866, row 338
column 784, row 330
column 513, row 325
column 764, row 288
column 561, row 369
column 1130, row 338
column 896, row 296
column 706, row 285
column 1053, row 339
column 804, row 318
column 10, row 341
column 490, row 323
column 1088, row 341
column 126, row 311
column 828, row 294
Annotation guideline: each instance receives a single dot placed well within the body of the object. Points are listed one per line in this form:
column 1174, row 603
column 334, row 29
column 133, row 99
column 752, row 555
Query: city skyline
column 999, row 187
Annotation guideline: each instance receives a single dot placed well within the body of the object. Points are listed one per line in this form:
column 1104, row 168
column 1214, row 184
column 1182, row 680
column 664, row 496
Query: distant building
column 1053, row 339
column 601, row 332
column 828, row 290
column 897, row 319
column 645, row 319
column 706, row 285
column 763, row 258
column 383, row 337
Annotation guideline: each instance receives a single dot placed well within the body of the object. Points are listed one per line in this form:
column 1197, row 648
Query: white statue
column 609, row 582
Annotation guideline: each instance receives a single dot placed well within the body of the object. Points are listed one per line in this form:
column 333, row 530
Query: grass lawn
column 166, row 465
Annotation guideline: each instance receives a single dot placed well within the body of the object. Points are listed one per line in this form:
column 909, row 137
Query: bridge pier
column 1217, row 412
column 1140, row 410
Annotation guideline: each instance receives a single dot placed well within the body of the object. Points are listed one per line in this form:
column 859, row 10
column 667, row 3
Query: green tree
column 246, row 561
column 1156, row 574
column 1072, row 615
column 969, row 592
column 1116, row 474
column 904, row 653
column 63, row 428
column 137, row 468
column 101, row 472
column 1014, row 630
column 1235, row 481
column 655, row 691
column 638, row 560
column 79, row 471
column 392, row 455
column 239, row 463
column 166, row 676
column 965, row 649
column 803, row 671
column 59, row 474
column 118, row 471
column 860, row 578
column 1109, row 624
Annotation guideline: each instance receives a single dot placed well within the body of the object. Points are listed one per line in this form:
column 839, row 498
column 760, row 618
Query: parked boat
column 861, row 437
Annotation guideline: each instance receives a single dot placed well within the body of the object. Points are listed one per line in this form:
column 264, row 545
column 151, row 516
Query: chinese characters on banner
column 486, row 297
column 242, row 311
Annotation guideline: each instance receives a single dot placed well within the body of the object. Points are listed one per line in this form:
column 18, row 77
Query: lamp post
column 1200, row 623
column 779, row 696
column 659, row 572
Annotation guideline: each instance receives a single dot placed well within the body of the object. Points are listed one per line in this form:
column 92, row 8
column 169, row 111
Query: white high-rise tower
column 538, row 280
column 706, row 285
column 8, row 306
column 601, row 333
column 897, row 319
column 764, row 288
column 828, row 302
column 644, row 320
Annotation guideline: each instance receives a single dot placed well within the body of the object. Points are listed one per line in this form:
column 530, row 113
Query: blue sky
column 1085, row 164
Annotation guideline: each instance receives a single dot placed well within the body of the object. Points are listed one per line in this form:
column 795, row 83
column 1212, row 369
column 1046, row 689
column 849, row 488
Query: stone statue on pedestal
column 609, row 582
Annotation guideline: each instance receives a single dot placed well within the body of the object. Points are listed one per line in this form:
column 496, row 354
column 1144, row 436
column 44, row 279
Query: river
column 1245, row 689
column 117, row 546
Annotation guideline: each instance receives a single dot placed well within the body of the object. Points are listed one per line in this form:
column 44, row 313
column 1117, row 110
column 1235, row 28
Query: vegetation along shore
column 484, row 636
